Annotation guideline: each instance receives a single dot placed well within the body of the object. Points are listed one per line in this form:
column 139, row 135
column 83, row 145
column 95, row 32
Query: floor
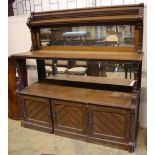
column 23, row 141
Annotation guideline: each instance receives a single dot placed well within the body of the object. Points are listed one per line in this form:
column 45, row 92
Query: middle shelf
column 84, row 95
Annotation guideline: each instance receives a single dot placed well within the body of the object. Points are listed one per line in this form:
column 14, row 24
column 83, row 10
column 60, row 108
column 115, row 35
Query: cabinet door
column 70, row 118
column 109, row 123
column 36, row 113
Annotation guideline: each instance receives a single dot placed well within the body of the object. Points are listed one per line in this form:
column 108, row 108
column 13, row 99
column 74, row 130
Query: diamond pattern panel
column 37, row 110
column 69, row 116
column 110, row 124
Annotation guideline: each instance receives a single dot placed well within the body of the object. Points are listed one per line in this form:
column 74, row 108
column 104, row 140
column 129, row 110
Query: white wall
column 19, row 34
column 20, row 41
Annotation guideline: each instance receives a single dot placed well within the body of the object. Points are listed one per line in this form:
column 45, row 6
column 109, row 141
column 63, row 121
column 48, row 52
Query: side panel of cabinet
column 13, row 105
column 36, row 113
column 70, row 119
column 110, row 124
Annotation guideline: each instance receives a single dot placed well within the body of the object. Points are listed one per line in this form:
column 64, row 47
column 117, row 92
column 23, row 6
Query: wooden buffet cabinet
column 94, row 100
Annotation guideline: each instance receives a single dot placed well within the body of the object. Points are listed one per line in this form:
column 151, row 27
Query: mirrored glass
column 109, row 35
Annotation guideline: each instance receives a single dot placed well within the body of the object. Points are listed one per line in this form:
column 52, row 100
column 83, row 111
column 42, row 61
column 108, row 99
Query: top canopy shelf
column 112, row 14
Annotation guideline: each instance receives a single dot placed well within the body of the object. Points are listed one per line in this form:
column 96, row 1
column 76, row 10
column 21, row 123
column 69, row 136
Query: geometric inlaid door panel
column 70, row 117
column 109, row 123
column 37, row 112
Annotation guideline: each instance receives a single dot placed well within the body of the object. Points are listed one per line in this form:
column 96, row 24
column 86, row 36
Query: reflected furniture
column 100, row 106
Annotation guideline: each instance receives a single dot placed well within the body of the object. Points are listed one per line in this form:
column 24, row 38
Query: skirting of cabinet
column 125, row 146
column 70, row 135
column 36, row 127
column 110, row 143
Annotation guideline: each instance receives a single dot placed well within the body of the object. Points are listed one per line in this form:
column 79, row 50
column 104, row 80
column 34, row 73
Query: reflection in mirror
column 109, row 35
column 119, row 70
column 105, row 69
column 45, row 35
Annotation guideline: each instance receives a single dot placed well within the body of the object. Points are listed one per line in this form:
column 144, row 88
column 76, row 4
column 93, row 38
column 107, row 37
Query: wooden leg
column 41, row 69
column 22, row 74
column 126, row 70
column 136, row 75
column 13, row 106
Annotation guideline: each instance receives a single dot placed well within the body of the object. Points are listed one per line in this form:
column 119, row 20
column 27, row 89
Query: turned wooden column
column 22, row 73
column 35, row 37
column 140, row 74
column 137, row 75
column 138, row 36
column 33, row 40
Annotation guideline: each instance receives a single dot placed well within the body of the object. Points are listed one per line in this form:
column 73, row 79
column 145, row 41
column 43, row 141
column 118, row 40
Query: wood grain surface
column 89, row 55
column 83, row 95
column 104, row 14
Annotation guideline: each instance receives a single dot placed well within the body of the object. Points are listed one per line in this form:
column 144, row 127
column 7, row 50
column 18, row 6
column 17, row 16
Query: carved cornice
column 112, row 14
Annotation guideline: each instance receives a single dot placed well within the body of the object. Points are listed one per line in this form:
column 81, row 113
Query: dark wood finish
column 134, row 120
column 138, row 36
column 93, row 68
column 22, row 74
column 70, row 118
column 108, row 118
column 41, row 69
column 92, row 109
column 36, row 113
column 128, row 13
column 48, row 154
column 10, row 8
column 75, row 94
column 88, row 20
column 13, row 105
column 110, row 126
column 33, row 40
column 109, row 123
